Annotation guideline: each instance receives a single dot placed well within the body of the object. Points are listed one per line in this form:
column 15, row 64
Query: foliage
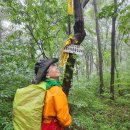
column 107, row 11
column 14, row 74
column 124, row 20
column 43, row 21
column 90, row 112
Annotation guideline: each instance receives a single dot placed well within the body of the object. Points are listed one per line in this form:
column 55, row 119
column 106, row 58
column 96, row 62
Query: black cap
column 41, row 68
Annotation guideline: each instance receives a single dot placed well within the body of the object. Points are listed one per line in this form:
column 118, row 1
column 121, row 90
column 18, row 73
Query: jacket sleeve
column 61, row 107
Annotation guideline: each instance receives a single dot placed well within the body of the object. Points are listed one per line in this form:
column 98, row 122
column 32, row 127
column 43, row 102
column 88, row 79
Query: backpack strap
column 42, row 85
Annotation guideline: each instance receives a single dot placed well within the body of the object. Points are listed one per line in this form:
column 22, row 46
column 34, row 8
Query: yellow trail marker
column 70, row 7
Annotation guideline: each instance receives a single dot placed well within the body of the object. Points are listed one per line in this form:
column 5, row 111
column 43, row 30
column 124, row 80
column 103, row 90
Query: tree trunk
column 77, row 72
column 100, row 60
column 79, row 35
column 113, row 34
column 0, row 31
column 91, row 63
column 87, row 65
column 117, row 46
column 0, row 39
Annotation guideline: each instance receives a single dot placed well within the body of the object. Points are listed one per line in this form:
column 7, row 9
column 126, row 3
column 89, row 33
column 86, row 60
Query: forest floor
column 95, row 113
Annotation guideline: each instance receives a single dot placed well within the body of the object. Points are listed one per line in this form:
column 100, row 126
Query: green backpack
column 28, row 107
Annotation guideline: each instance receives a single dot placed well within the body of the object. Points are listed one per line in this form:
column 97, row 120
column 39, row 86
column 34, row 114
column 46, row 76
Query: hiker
column 55, row 112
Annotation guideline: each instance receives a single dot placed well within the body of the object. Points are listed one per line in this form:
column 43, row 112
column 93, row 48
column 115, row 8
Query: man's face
column 53, row 72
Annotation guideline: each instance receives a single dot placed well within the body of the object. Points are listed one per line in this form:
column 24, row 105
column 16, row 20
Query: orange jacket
column 56, row 106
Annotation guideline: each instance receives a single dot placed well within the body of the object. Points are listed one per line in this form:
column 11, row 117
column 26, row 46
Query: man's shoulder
column 55, row 90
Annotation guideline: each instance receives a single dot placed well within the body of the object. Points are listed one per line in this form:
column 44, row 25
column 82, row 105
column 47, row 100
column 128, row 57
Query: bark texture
column 100, row 60
column 79, row 35
column 113, row 35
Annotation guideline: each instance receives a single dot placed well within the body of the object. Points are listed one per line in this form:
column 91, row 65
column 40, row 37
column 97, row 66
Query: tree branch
column 85, row 2
column 31, row 32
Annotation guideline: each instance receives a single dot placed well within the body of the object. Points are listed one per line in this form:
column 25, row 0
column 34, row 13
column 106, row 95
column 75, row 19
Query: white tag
column 75, row 49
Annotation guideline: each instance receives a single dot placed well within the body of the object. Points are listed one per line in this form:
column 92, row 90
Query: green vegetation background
column 44, row 23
